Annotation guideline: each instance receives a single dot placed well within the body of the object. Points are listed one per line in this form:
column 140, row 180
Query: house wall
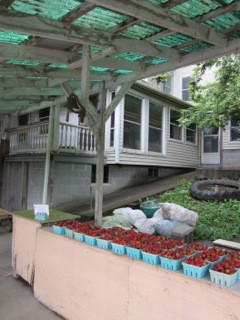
column 176, row 153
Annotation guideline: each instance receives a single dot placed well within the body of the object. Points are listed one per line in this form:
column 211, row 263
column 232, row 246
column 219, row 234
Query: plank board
column 228, row 244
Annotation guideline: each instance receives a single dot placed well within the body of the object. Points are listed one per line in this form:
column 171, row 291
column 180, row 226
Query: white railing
column 78, row 138
column 28, row 138
column 34, row 137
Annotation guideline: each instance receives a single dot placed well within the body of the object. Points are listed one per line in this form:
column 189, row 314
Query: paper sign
column 41, row 211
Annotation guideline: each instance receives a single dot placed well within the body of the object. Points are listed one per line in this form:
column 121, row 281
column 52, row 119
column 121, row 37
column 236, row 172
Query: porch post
column 56, row 127
column 100, row 161
column 48, row 156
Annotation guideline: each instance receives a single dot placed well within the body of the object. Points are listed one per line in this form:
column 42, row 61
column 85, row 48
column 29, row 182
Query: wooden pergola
column 52, row 48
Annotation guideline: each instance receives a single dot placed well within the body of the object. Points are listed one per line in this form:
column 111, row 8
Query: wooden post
column 48, row 155
column 100, row 161
column 56, row 128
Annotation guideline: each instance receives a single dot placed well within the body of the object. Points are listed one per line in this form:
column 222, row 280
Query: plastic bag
column 116, row 221
column 175, row 212
column 145, row 226
column 130, row 215
column 165, row 228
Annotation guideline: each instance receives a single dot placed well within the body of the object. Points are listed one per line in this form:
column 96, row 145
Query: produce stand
column 79, row 281
column 24, row 239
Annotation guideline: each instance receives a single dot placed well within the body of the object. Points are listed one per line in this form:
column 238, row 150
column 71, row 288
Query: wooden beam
column 188, row 59
column 48, row 157
column 64, row 31
column 22, row 72
column 52, row 29
column 30, row 91
column 218, row 12
column 6, row 3
column 121, row 64
column 203, row 18
column 173, row 3
column 78, row 12
column 160, row 35
column 21, row 82
column 93, row 117
column 159, row 16
column 100, row 160
column 116, row 100
column 21, row 52
column 124, row 25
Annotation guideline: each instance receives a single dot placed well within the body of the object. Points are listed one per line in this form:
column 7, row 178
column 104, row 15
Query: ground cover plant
column 217, row 220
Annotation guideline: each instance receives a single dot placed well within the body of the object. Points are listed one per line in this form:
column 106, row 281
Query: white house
column 218, row 147
column 143, row 140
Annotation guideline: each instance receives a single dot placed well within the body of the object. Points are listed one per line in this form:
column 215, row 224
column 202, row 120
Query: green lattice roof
column 133, row 39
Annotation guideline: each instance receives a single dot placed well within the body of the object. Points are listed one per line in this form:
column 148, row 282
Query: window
column 112, row 125
column 191, row 133
column 132, row 122
column 23, row 119
column 155, row 128
column 105, row 174
column 210, row 140
column 175, row 130
column 44, row 114
column 185, row 88
column 167, row 86
column 235, row 129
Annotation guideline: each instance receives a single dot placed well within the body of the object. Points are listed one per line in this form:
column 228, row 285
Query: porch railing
column 28, row 138
column 78, row 138
column 34, row 137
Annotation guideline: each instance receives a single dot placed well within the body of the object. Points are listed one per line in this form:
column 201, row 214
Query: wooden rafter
column 6, row 3
column 9, row 91
column 218, row 12
column 64, row 31
column 188, row 59
column 124, row 25
column 22, row 72
column 78, row 12
column 159, row 16
column 173, row 3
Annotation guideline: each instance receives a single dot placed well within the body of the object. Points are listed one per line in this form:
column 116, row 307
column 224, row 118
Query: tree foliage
column 214, row 103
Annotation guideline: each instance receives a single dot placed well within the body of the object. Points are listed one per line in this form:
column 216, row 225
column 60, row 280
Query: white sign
column 41, row 211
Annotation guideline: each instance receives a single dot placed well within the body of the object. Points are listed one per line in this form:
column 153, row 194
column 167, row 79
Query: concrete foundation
column 68, row 181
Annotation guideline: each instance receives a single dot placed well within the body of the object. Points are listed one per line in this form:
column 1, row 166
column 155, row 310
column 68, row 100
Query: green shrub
column 217, row 220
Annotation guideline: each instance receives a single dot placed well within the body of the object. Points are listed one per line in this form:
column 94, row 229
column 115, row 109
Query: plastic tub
column 104, row 244
column 90, row 240
column 134, row 253
column 194, row 271
column 78, row 236
column 222, row 278
column 69, row 233
column 149, row 208
column 118, row 249
column 150, row 258
column 58, row 230
column 171, row 264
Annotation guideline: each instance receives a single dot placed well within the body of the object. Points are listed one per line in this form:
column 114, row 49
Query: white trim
column 196, row 136
column 145, row 126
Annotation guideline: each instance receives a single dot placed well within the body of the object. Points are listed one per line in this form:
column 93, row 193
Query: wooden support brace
column 118, row 97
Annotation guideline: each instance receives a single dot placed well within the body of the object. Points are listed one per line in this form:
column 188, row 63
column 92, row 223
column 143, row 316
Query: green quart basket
column 149, row 208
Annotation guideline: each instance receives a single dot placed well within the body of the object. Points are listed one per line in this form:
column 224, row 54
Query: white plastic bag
column 145, row 226
column 171, row 211
column 130, row 215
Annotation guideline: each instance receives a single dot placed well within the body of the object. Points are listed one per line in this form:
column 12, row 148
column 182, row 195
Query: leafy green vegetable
column 216, row 220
